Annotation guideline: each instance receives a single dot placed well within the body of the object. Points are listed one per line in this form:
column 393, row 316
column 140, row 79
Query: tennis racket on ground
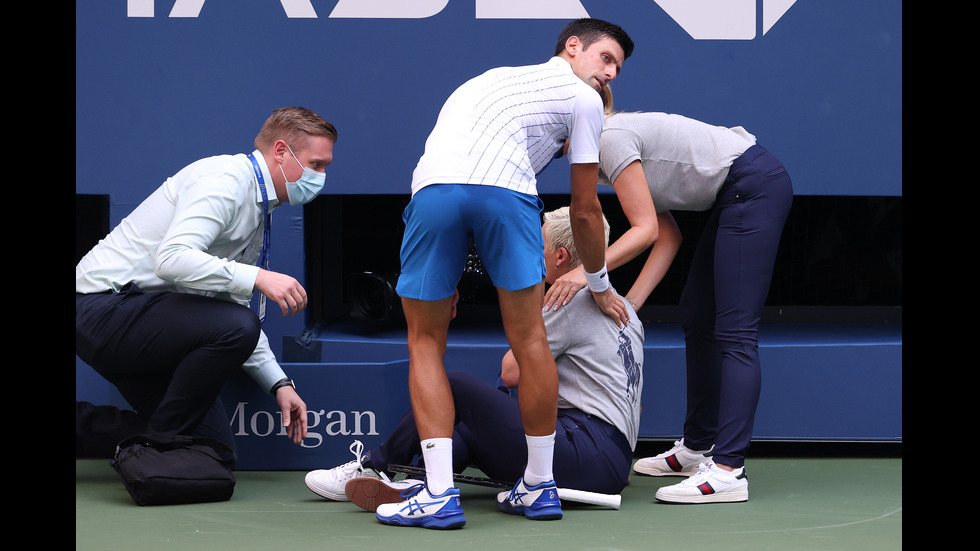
column 580, row 496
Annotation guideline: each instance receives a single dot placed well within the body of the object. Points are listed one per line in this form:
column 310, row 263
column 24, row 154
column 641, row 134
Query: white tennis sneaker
column 677, row 461
column 420, row 508
column 539, row 502
column 711, row 484
column 330, row 483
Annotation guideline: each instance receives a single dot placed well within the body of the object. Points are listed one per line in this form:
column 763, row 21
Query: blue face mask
column 307, row 187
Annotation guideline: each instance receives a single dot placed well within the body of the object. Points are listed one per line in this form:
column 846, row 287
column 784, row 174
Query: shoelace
column 410, row 491
column 356, row 448
column 677, row 447
column 514, row 496
column 704, row 470
column 347, row 470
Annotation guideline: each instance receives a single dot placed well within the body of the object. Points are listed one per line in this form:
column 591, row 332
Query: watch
column 280, row 384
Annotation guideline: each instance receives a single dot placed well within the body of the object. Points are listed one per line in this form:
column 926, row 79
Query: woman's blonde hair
column 607, row 100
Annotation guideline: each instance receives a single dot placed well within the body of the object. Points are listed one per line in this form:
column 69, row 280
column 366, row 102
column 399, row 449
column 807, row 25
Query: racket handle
column 592, row 498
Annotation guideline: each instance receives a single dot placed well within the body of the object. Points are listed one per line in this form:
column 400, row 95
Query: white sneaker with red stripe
column 677, row 461
column 711, row 484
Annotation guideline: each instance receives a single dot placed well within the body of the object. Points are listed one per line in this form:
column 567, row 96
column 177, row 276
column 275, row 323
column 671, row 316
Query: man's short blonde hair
column 293, row 125
column 558, row 233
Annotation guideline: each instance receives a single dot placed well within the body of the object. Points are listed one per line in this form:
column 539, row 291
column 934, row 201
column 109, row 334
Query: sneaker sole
column 550, row 513
column 544, row 513
column 650, row 471
column 432, row 522
column 368, row 493
column 737, row 496
column 322, row 492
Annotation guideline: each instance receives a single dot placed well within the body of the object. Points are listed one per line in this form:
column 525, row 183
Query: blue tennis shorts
column 442, row 219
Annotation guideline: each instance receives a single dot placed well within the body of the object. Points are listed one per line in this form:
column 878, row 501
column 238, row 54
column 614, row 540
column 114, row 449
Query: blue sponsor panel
column 345, row 402
column 166, row 82
column 838, row 382
column 827, row 382
column 843, row 382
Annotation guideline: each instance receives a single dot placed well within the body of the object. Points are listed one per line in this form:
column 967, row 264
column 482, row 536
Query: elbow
column 584, row 211
column 165, row 265
column 651, row 236
column 162, row 268
column 647, row 234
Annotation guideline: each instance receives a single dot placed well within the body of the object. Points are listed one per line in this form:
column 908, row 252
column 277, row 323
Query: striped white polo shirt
column 504, row 126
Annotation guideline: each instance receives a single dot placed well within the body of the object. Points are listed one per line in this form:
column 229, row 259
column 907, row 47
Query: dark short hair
column 590, row 30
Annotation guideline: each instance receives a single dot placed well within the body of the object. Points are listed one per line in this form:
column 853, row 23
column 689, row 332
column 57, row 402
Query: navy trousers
column 169, row 354
column 722, row 303
column 590, row 454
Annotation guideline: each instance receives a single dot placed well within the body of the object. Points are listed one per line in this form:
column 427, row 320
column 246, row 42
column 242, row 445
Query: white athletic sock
column 438, row 456
column 540, row 459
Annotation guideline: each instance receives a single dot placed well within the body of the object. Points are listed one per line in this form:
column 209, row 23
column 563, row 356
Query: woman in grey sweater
column 658, row 162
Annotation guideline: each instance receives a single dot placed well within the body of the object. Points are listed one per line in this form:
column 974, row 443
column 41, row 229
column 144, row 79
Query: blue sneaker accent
column 420, row 508
column 534, row 502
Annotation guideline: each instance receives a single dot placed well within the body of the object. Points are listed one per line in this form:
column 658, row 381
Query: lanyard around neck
column 266, row 228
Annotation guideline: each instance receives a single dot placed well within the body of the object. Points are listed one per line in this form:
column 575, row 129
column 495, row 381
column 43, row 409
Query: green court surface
column 805, row 502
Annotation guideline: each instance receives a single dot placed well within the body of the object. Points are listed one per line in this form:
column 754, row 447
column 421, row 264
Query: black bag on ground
column 184, row 469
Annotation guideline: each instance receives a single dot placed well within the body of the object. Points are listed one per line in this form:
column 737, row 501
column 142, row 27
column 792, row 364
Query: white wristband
column 599, row 281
